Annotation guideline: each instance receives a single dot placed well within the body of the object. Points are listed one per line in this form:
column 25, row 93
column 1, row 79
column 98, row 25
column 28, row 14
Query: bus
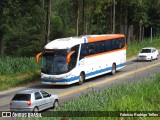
column 75, row 59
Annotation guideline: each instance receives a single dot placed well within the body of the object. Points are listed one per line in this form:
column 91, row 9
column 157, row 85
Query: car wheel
column 157, row 57
column 151, row 58
column 113, row 69
column 35, row 110
column 81, row 79
column 55, row 104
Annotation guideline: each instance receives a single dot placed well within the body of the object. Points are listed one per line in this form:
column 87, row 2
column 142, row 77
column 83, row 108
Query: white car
column 148, row 53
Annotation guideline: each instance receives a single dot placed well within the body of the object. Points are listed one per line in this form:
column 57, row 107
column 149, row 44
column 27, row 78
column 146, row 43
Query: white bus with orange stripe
column 76, row 59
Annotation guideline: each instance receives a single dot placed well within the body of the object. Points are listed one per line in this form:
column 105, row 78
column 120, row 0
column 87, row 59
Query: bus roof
column 65, row 43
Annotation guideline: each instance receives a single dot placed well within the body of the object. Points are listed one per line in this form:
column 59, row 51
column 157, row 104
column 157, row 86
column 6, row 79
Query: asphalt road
column 133, row 72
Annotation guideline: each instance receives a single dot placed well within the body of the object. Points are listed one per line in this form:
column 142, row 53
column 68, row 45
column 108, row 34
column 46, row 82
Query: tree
column 3, row 24
column 56, row 27
column 140, row 16
column 25, row 28
column 48, row 17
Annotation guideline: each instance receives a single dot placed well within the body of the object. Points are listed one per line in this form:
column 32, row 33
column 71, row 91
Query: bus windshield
column 54, row 62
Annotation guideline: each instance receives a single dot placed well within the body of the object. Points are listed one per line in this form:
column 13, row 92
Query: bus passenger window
column 107, row 47
column 121, row 43
column 102, row 46
column 117, row 43
column 91, row 49
column 112, row 44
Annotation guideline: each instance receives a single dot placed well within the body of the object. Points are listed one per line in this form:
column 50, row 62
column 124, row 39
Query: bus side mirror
column 68, row 58
column 37, row 56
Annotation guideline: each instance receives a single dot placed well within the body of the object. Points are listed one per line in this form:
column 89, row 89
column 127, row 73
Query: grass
column 135, row 47
column 12, row 81
column 16, row 71
column 17, row 65
column 139, row 96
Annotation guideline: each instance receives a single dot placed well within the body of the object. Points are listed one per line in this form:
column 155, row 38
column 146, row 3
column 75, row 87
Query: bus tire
column 113, row 69
column 81, row 79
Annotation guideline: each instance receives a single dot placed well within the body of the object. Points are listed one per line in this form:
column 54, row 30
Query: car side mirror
column 68, row 58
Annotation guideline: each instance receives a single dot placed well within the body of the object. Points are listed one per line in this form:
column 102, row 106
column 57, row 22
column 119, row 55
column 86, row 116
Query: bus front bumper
column 67, row 81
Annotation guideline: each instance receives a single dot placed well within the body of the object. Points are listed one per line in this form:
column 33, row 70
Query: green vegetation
column 139, row 96
column 23, row 23
column 135, row 47
column 16, row 71
column 14, row 65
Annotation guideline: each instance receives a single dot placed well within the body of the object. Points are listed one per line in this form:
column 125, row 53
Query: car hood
column 144, row 54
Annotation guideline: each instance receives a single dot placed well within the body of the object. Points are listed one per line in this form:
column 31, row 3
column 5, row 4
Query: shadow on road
column 45, row 86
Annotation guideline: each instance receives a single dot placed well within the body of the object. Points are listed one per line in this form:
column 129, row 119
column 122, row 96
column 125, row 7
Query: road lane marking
column 106, row 80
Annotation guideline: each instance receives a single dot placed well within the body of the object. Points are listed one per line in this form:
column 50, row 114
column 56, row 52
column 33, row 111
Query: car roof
column 149, row 48
column 28, row 91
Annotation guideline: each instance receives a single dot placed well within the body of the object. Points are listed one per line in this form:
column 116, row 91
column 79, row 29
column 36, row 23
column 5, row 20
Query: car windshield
column 146, row 51
column 22, row 97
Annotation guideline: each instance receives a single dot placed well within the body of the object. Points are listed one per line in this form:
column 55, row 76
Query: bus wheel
column 81, row 79
column 113, row 69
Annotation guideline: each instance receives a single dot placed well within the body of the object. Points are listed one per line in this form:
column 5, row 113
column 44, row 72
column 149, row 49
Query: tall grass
column 15, row 71
column 11, row 81
column 14, row 65
column 135, row 47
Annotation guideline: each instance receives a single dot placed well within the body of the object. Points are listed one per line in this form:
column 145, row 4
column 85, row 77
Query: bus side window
column 112, row 44
column 121, row 43
column 74, row 56
column 117, row 43
column 75, row 48
column 98, row 47
column 107, row 45
column 83, row 51
column 102, row 47
column 92, row 48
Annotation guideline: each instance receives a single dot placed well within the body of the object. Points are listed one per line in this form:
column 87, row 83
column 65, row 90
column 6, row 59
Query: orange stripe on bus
column 105, row 37
column 97, row 54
